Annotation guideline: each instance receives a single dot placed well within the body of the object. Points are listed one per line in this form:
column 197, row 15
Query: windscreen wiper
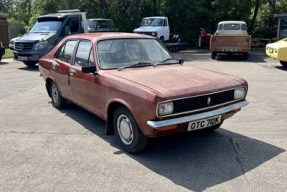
column 138, row 64
column 163, row 61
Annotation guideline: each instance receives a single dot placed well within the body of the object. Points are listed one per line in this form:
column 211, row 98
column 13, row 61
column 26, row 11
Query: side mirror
column 181, row 61
column 89, row 69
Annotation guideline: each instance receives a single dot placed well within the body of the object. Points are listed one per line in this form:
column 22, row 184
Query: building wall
column 4, row 36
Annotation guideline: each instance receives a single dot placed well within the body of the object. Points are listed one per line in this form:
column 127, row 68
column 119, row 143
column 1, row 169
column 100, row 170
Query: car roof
column 108, row 35
column 232, row 22
column 99, row 19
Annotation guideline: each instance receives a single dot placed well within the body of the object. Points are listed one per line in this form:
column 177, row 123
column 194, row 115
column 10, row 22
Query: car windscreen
column 119, row 53
column 46, row 27
column 152, row 22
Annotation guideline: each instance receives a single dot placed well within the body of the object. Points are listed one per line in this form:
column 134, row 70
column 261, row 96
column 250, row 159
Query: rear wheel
column 57, row 100
column 30, row 63
column 245, row 56
column 283, row 63
column 130, row 136
column 213, row 55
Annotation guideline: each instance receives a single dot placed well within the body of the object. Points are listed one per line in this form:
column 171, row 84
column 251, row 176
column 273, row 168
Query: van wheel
column 30, row 63
column 128, row 133
column 213, row 55
column 245, row 56
column 57, row 100
column 283, row 63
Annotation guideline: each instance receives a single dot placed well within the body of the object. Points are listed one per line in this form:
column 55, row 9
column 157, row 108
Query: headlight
column 41, row 45
column 165, row 108
column 239, row 93
column 154, row 34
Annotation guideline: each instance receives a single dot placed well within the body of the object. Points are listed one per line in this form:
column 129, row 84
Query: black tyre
column 245, row 56
column 212, row 128
column 57, row 100
column 283, row 63
column 128, row 133
column 213, row 55
column 0, row 57
column 30, row 63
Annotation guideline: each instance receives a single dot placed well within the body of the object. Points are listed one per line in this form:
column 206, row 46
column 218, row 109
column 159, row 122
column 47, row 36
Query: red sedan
column 134, row 84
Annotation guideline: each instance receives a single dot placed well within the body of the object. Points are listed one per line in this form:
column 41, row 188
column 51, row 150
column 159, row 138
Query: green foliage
column 8, row 54
column 186, row 17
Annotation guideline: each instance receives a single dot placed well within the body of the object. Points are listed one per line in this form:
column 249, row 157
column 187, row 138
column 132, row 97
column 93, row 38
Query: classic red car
column 134, row 84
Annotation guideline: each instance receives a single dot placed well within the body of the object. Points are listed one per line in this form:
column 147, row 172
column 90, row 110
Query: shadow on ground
column 195, row 161
column 255, row 56
column 26, row 68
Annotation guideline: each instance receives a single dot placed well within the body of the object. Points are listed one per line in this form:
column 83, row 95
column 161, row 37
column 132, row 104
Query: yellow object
column 277, row 50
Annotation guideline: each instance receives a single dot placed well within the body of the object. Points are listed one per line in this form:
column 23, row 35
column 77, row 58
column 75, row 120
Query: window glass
column 244, row 27
column 73, row 24
column 116, row 53
column 231, row 27
column 83, row 53
column 91, row 59
column 219, row 27
column 66, row 52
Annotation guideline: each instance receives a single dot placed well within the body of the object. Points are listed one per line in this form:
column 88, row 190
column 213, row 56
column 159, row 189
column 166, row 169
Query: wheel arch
column 49, row 81
column 110, row 111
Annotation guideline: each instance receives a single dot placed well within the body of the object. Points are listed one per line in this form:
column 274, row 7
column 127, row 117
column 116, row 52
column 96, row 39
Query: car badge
column 208, row 100
column 20, row 47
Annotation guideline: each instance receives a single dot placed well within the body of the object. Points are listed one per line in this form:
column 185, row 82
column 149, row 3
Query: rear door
column 61, row 65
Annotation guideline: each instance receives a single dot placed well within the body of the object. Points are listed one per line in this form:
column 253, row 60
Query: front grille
column 146, row 33
column 23, row 46
column 203, row 101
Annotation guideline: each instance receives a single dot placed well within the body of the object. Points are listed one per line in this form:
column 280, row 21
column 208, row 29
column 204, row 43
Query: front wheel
column 283, row 63
column 57, row 100
column 213, row 55
column 130, row 136
column 245, row 56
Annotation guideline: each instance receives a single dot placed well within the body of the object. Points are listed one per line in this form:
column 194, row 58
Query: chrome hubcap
column 125, row 130
column 55, row 93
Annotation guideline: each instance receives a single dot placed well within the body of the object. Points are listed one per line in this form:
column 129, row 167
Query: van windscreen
column 46, row 27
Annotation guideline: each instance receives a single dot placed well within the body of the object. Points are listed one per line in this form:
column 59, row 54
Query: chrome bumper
column 186, row 119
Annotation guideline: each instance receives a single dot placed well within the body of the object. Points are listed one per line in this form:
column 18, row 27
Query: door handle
column 72, row 72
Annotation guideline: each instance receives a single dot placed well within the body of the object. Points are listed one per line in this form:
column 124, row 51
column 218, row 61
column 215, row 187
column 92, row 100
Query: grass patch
column 8, row 54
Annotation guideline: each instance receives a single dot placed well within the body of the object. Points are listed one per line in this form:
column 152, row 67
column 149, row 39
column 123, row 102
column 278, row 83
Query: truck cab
column 101, row 25
column 157, row 27
column 46, row 33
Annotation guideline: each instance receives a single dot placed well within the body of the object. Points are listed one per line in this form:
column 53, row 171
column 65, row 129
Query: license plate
column 203, row 123
column 22, row 58
column 270, row 50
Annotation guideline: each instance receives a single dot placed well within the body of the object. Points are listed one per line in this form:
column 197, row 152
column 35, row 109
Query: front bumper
column 186, row 119
column 29, row 56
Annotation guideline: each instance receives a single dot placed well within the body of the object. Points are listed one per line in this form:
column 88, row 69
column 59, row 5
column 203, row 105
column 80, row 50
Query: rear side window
column 243, row 27
column 66, row 52
column 83, row 53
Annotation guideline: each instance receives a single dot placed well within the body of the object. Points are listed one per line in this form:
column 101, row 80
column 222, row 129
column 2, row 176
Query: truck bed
column 230, row 44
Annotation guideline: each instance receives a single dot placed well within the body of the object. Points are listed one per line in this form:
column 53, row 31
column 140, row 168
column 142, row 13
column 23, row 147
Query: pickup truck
column 158, row 27
column 46, row 33
column 231, row 37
